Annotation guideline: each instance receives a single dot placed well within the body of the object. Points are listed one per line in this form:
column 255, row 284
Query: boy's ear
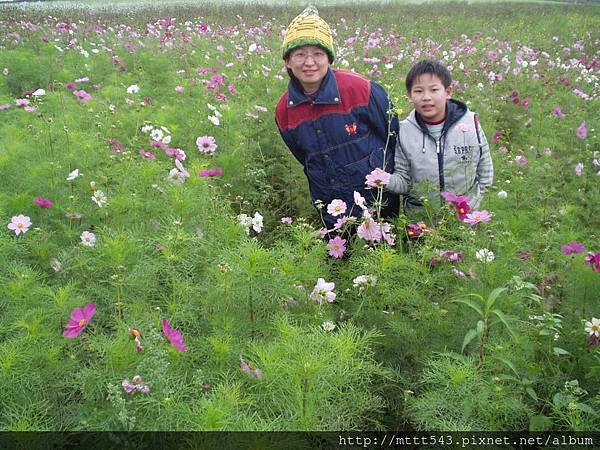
column 449, row 91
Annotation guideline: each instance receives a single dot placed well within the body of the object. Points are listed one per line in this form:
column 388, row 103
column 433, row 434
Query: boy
column 335, row 122
column 441, row 146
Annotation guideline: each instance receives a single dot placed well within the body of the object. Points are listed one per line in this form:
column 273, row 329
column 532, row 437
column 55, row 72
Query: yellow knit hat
column 308, row 29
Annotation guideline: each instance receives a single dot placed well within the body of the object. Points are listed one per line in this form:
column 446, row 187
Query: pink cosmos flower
column 369, row 231
column 80, row 317
column 572, row 247
column 341, row 221
column 451, row 197
column 496, row 136
column 337, row 247
column 19, row 224
column 206, row 144
column 22, row 102
column 210, row 172
column 582, row 131
column 593, row 259
column 476, row 217
column 579, row 169
column 179, row 89
column 286, row 220
column 414, row 230
column 336, row 207
column 525, row 102
column 558, row 112
column 377, row 178
column 174, row 336
column 148, row 155
column 43, row 202
column 137, row 384
column 71, row 86
column 82, row 95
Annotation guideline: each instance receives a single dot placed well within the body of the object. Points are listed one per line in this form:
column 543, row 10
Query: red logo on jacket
column 351, row 129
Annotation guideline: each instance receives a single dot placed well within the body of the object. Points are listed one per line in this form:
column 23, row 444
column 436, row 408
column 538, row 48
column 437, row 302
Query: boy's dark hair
column 427, row 66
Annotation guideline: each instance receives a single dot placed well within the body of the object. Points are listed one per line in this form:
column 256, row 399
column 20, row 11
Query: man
column 338, row 124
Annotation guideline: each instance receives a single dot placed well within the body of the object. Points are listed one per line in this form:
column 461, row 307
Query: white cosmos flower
column 257, row 222
column 484, row 255
column 593, row 328
column 99, row 198
column 72, row 175
column 215, row 120
column 328, row 325
column 133, row 89
column 88, row 239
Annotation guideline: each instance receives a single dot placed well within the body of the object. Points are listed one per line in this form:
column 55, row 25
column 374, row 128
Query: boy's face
column 429, row 95
column 309, row 64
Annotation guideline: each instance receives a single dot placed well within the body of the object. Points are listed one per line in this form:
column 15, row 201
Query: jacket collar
column 328, row 92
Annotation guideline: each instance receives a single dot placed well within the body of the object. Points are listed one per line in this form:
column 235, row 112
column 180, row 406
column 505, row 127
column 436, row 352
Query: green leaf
column 471, row 334
column 560, row 351
column 508, row 363
column 493, row 296
column 480, row 326
column 586, row 408
column 540, row 423
column 532, row 393
column 504, row 319
column 470, row 303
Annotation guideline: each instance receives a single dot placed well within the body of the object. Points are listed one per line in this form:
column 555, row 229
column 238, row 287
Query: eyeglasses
column 301, row 57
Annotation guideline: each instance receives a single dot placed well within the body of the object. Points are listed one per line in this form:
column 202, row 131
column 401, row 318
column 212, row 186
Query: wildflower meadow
column 162, row 266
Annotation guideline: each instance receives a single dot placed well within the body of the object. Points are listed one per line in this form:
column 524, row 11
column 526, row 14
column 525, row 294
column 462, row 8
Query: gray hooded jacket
column 458, row 162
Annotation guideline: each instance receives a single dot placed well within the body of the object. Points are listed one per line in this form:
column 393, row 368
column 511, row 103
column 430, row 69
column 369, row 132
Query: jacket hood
column 455, row 109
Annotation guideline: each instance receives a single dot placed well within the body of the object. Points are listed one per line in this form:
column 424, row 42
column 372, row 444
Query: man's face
column 309, row 64
column 429, row 95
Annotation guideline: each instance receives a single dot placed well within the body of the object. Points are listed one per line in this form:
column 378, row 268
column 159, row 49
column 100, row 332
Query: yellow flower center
column 82, row 322
column 595, row 327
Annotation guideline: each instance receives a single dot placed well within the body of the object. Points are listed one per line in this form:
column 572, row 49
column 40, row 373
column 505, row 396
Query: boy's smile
column 429, row 96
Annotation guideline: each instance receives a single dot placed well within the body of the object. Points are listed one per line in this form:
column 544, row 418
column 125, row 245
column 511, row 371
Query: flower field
column 162, row 266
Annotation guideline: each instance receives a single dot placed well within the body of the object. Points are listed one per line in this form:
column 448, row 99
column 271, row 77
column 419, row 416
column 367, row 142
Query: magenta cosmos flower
column 206, row 144
column 582, row 131
column 19, row 224
column 593, row 259
column 82, row 95
column 337, row 247
column 80, row 317
column 43, row 202
column 210, row 172
column 572, row 247
column 174, row 336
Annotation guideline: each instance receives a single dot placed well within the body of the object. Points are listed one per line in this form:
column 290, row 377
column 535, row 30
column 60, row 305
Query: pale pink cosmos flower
column 82, row 95
column 558, row 112
column 579, row 169
column 206, row 144
column 174, row 336
column 43, row 202
column 19, row 224
column 179, row 89
column 148, row 155
column 337, row 247
column 360, row 201
column 582, row 131
column 88, row 239
column 22, row 102
column 323, row 291
column 464, row 127
column 336, row 207
column 250, row 368
column 369, row 231
column 80, row 317
column 520, row 159
column 286, row 220
column 377, row 178
column 476, row 217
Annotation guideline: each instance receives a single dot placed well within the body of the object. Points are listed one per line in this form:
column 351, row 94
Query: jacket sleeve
column 291, row 144
column 383, row 117
column 400, row 180
column 485, row 167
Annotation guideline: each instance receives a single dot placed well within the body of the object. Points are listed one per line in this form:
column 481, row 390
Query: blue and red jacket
column 339, row 135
